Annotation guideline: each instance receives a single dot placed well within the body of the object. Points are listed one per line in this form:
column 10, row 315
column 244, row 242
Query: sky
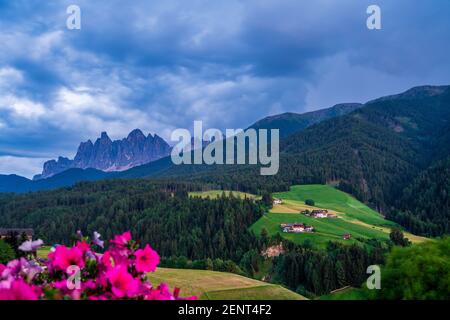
column 160, row 65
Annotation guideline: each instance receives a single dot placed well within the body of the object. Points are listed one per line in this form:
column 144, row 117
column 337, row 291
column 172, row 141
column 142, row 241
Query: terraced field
column 211, row 285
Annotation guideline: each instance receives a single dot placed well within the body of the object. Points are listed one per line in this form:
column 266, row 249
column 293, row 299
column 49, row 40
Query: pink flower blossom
column 98, row 298
column 106, row 260
column 21, row 268
column 121, row 240
column 116, row 274
column 146, row 259
column 122, row 282
column 20, row 290
column 160, row 293
column 63, row 257
column 119, row 248
column 83, row 246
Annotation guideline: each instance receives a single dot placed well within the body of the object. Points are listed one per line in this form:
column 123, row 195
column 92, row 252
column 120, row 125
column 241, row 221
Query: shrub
column 419, row 272
column 6, row 252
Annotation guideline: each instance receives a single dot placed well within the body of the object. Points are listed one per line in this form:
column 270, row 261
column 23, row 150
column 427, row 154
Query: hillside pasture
column 353, row 217
column 212, row 285
column 213, row 194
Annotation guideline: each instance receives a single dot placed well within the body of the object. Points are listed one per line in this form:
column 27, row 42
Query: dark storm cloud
column 159, row 65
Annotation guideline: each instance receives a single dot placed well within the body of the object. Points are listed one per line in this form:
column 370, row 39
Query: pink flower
column 146, row 259
column 160, row 293
column 98, row 298
column 20, row 290
column 83, row 246
column 122, row 239
column 119, row 249
column 122, row 282
column 21, row 268
column 63, row 257
column 106, row 260
column 116, row 274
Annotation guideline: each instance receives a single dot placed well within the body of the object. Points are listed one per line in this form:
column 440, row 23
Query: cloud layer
column 160, row 65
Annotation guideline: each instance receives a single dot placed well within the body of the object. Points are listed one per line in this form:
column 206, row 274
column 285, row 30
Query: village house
column 4, row 233
column 320, row 214
column 346, row 236
column 277, row 201
column 296, row 228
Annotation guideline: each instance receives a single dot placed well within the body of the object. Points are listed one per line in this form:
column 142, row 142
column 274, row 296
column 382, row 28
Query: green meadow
column 212, row 285
column 328, row 197
column 218, row 193
column 354, row 217
column 347, row 294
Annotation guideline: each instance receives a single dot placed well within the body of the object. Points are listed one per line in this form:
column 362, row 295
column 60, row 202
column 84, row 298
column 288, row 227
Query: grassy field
column 347, row 294
column 218, row 193
column 43, row 252
column 211, row 285
column 353, row 217
column 330, row 198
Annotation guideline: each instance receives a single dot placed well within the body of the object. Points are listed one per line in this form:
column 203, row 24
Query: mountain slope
column 67, row 178
column 424, row 207
column 383, row 144
column 289, row 122
column 13, row 183
column 374, row 153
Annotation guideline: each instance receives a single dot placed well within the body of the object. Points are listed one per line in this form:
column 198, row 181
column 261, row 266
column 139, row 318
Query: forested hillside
column 160, row 214
column 373, row 153
column 424, row 207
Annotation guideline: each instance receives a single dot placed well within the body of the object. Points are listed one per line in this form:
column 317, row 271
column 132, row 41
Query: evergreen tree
column 397, row 237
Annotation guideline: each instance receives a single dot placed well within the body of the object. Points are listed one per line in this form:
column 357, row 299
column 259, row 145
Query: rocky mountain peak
column 108, row 155
column 136, row 135
column 104, row 136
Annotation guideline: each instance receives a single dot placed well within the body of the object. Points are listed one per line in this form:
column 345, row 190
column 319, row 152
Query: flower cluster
column 79, row 272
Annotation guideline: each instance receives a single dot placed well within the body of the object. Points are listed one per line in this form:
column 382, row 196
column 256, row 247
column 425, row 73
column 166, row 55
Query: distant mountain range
column 107, row 155
column 137, row 155
column 412, row 120
column 389, row 153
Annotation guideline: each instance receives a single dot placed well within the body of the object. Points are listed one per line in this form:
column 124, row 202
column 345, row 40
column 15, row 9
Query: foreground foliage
column 6, row 252
column 418, row 272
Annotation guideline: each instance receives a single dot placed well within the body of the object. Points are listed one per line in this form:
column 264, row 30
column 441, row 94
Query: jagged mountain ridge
column 107, row 155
